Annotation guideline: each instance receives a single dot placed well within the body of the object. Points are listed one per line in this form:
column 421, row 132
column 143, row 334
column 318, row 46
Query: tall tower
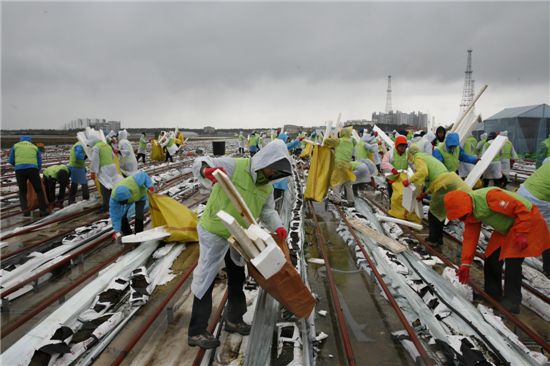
column 468, row 92
column 388, row 96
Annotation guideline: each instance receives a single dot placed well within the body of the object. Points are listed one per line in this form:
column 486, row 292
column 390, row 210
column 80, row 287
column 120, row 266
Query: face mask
column 261, row 178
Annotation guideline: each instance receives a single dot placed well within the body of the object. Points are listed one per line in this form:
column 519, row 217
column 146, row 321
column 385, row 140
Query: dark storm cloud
column 77, row 58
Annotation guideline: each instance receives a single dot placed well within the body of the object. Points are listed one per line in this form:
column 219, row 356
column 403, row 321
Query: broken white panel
column 463, row 290
column 328, row 131
column 259, row 236
column 269, row 261
column 242, row 239
column 383, row 135
column 399, row 221
column 157, row 233
column 21, row 352
column 486, row 159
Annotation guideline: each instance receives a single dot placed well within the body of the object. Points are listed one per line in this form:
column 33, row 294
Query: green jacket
column 53, row 171
column 254, row 195
column 105, row 153
column 539, row 183
column 483, row 213
column 449, row 160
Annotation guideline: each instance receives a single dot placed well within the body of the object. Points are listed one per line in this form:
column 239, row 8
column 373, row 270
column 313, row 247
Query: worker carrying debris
column 52, row 175
column 103, row 167
column 494, row 170
column 27, row 160
column 519, row 232
column 129, row 191
column 342, row 173
column 253, row 178
column 395, row 162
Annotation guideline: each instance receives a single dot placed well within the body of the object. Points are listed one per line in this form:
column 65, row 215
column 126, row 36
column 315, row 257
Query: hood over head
column 452, row 140
column 123, row 135
column 122, row 193
column 346, row 132
column 441, row 129
column 413, row 150
column 400, row 140
column 271, row 154
column 111, row 134
column 25, row 138
column 283, row 136
column 458, row 204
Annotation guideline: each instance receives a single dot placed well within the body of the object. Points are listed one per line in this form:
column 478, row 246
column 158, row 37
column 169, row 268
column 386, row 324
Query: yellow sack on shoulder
column 157, row 152
column 320, row 170
column 177, row 219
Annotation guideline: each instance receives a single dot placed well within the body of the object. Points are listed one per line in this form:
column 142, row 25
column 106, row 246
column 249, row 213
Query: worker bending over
column 519, row 232
column 52, row 175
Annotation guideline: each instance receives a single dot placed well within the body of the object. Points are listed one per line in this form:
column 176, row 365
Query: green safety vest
column 136, row 191
column 361, row 152
column 25, row 152
column 483, row 213
column 449, row 160
column 105, row 153
column 547, row 144
column 481, row 143
column 142, row 143
column 344, row 150
column 170, row 142
column 538, row 184
column 52, row 171
column 254, row 140
column 506, row 152
column 73, row 161
column 255, row 197
column 435, row 167
column 470, row 145
column 399, row 162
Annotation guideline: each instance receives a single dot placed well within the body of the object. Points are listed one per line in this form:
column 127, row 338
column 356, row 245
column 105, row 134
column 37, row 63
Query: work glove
column 116, row 150
column 116, row 237
column 152, row 189
column 394, row 171
column 406, row 183
column 281, row 233
column 92, row 175
column 379, row 142
column 208, row 173
column 464, row 274
column 521, row 241
column 421, row 196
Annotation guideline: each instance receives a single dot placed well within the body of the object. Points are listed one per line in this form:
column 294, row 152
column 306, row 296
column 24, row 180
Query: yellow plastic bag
column 442, row 185
column 397, row 210
column 320, row 169
column 306, row 152
column 157, row 152
column 342, row 173
column 177, row 219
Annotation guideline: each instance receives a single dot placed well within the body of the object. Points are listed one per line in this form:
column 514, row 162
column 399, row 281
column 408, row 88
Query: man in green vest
column 543, row 152
column 27, row 160
column 519, row 232
column 77, row 172
column 52, row 175
column 481, row 143
column 342, row 174
column 508, row 156
column 470, row 149
column 253, row 143
column 537, row 190
column 129, row 191
column 253, row 179
column 432, row 175
column 451, row 154
column 103, row 167
column 142, row 147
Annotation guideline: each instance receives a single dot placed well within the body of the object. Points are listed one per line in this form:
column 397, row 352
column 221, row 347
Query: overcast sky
column 258, row 64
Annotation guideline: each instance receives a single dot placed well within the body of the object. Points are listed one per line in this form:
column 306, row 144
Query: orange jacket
column 527, row 222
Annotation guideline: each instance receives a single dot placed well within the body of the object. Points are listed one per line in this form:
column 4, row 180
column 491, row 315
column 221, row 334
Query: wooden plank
column 387, row 242
column 234, row 196
column 486, row 159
